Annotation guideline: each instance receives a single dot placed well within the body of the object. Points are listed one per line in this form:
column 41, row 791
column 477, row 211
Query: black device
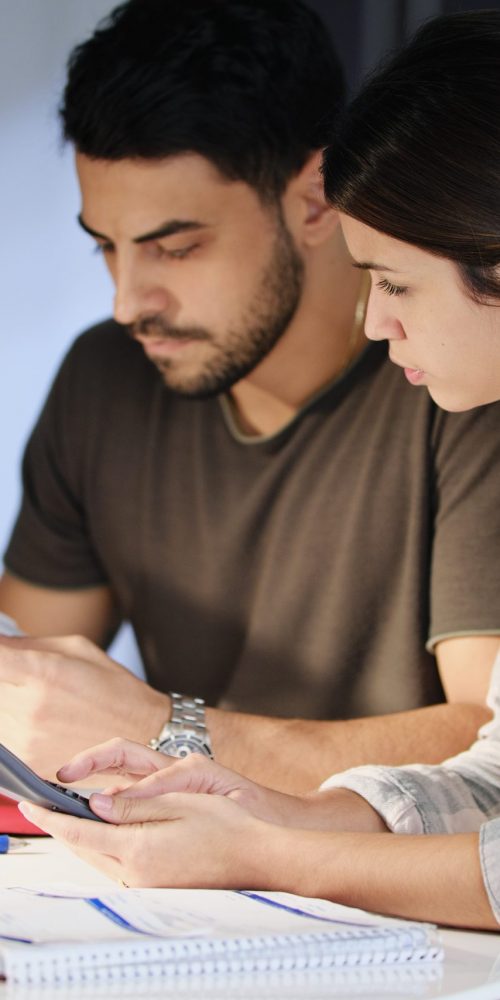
column 18, row 781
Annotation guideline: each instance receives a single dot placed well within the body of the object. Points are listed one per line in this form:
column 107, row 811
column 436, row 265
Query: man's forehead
column 148, row 196
column 178, row 171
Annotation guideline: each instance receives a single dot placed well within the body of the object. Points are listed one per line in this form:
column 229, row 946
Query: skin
column 195, row 823
column 59, row 694
column 264, row 838
column 415, row 294
column 210, row 277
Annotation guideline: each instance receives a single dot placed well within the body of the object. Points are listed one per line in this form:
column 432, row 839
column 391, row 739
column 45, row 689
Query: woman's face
column 441, row 337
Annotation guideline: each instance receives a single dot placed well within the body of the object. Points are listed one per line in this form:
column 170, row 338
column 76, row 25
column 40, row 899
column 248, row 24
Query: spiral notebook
column 63, row 936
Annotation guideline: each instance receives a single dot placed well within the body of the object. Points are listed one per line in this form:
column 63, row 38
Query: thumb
column 119, row 809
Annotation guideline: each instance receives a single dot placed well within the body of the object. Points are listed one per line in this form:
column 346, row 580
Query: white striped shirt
column 458, row 796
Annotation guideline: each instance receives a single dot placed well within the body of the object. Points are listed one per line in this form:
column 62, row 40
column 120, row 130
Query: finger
column 16, row 665
column 79, row 834
column 113, row 756
column 192, row 774
column 110, row 866
column 117, row 810
column 112, row 789
column 73, row 646
column 23, row 658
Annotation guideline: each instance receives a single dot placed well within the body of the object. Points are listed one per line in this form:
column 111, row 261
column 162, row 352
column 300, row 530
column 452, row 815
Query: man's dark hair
column 249, row 84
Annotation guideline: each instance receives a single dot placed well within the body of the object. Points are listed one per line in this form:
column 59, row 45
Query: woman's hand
column 154, row 774
column 176, row 840
column 122, row 757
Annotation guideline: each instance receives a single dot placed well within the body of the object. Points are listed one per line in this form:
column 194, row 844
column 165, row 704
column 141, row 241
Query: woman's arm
column 435, row 878
column 208, row 841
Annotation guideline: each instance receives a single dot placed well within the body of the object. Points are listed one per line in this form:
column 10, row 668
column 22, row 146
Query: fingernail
column 25, row 809
column 64, row 772
column 103, row 803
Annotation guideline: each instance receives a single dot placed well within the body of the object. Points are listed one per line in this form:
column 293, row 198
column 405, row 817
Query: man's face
column 207, row 278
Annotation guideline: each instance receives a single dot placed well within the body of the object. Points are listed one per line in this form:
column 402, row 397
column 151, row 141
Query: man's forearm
column 295, row 755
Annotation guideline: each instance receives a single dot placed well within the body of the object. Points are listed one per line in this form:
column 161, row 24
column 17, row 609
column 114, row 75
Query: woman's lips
column 414, row 375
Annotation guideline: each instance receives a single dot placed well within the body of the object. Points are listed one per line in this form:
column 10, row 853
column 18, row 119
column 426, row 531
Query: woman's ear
column 306, row 210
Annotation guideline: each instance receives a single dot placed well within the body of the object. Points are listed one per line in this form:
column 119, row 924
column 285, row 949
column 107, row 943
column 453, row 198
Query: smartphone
column 18, row 781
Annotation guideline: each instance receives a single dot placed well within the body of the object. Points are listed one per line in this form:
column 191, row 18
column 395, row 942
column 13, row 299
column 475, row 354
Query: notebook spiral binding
column 66, row 964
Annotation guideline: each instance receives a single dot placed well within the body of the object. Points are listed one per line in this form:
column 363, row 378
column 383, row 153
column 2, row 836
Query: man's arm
column 43, row 611
column 295, row 755
column 62, row 695
column 256, row 745
column 465, row 664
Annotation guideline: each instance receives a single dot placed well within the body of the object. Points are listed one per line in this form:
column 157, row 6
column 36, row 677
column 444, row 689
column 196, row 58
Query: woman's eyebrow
column 366, row 265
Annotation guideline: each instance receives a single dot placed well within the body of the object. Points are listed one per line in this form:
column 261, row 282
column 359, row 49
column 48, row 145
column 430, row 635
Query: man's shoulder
column 379, row 378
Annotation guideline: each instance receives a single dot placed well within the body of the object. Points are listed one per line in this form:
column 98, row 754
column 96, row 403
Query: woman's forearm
column 435, row 878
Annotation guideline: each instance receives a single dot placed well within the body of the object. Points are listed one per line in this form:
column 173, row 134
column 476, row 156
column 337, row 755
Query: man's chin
column 193, row 387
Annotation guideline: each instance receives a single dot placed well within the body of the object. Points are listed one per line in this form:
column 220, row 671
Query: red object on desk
column 12, row 821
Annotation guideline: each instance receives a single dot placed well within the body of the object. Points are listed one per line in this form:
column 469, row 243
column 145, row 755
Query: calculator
column 18, row 781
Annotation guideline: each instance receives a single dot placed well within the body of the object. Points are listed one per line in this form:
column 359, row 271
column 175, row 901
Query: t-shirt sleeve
column 465, row 556
column 50, row 544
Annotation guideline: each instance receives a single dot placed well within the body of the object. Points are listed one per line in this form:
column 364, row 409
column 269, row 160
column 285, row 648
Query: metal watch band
column 187, row 719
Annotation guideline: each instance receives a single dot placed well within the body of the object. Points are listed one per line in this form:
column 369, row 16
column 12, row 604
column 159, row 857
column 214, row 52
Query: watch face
column 182, row 746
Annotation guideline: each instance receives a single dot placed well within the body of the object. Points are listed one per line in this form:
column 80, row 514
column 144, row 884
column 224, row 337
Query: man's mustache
column 156, row 328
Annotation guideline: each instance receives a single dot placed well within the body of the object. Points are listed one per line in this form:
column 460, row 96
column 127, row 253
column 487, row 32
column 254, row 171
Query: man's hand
column 60, row 695
column 198, row 841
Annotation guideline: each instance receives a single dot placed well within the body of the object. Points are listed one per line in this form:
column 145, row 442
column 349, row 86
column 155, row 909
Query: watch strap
column 187, row 718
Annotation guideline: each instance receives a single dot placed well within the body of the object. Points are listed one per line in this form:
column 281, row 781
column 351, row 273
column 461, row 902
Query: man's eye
column 181, row 253
column 103, row 248
column 389, row 288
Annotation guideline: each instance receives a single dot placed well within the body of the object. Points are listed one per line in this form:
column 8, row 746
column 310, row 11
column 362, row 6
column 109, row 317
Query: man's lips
column 160, row 347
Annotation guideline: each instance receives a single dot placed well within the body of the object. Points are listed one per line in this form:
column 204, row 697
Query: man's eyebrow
column 367, row 265
column 169, row 228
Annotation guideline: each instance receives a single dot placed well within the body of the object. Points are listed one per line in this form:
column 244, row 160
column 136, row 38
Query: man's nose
column 136, row 294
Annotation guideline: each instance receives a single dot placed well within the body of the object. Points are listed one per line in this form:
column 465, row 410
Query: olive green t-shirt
column 301, row 574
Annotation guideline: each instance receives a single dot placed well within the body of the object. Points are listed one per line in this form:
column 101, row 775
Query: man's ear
column 308, row 215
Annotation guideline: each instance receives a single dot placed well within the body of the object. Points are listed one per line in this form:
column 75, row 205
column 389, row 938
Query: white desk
column 471, row 970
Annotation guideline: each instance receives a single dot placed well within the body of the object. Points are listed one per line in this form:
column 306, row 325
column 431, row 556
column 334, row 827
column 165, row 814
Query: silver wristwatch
column 186, row 731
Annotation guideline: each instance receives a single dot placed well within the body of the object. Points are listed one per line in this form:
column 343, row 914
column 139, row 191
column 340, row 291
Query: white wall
column 51, row 284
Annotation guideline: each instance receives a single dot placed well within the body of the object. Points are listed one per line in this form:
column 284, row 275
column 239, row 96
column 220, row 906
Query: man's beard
column 270, row 312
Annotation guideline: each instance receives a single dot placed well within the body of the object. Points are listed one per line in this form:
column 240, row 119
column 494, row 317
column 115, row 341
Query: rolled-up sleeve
column 489, row 852
column 456, row 796
column 453, row 797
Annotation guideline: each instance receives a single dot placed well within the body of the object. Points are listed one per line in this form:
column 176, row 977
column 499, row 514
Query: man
column 282, row 520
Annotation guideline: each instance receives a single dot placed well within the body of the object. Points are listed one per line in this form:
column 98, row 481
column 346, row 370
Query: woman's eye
column 389, row 288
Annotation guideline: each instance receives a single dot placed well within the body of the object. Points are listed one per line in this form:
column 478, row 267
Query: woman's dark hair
column 417, row 155
column 249, row 84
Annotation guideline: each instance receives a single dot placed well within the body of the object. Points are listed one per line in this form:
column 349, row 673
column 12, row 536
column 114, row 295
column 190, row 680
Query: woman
column 415, row 175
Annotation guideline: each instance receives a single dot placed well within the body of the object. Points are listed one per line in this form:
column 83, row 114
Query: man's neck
column 324, row 338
